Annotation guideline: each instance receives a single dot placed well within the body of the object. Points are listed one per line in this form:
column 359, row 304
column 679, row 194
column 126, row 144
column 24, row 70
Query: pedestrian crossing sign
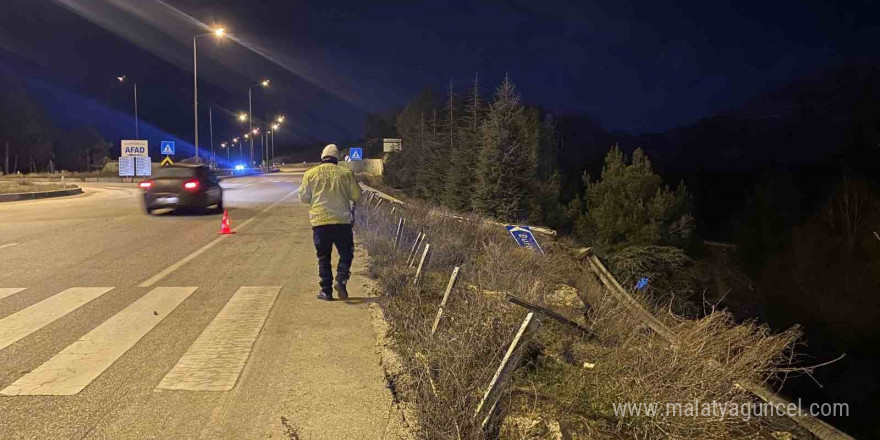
column 167, row 161
column 356, row 154
column 167, row 147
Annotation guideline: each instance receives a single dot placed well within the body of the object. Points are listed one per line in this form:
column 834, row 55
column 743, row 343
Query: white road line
column 22, row 323
column 168, row 270
column 75, row 367
column 9, row 291
column 2, row 246
column 215, row 360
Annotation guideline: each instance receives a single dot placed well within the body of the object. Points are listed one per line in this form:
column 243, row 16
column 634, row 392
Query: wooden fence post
column 422, row 264
column 452, row 280
column 508, row 365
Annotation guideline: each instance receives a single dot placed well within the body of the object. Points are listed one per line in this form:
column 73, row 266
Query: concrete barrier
column 39, row 195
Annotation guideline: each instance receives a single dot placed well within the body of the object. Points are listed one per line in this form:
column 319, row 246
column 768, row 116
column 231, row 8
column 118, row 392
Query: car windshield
column 176, row 172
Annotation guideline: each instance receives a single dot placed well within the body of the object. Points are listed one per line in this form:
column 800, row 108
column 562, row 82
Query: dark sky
column 634, row 65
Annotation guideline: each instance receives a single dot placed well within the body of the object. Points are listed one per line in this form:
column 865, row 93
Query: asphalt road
column 119, row 325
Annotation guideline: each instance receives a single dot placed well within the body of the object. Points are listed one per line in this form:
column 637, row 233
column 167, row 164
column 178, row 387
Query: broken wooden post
column 422, row 264
column 415, row 249
column 399, row 232
column 508, row 365
column 452, row 280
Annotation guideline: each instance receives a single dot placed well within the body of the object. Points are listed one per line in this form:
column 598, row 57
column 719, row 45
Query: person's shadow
column 354, row 300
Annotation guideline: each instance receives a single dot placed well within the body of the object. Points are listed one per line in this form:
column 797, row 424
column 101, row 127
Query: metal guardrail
column 815, row 426
column 538, row 229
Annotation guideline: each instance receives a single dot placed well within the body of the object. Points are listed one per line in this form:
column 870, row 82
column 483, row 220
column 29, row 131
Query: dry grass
column 23, row 186
column 552, row 390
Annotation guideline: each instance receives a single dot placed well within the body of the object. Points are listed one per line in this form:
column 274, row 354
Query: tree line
column 30, row 142
column 500, row 158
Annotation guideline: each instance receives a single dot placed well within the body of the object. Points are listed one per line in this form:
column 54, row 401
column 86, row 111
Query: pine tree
column 464, row 146
column 631, row 206
column 507, row 162
column 402, row 168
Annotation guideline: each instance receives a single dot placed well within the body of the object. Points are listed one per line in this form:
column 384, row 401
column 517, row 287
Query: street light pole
column 137, row 134
column 136, row 131
column 264, row 83
column 219, row 34
column 211, row 128
column 251, row 122
column 196, row 96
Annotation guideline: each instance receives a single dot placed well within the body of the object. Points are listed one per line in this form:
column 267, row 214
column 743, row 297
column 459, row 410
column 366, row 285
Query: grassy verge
column 22, row 186
column 568, row 384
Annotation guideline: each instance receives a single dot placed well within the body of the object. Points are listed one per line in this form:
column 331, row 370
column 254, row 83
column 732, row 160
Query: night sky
column 642, row 66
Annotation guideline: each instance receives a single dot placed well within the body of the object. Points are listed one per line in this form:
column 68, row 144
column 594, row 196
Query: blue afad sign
column 167, row 147
column 356, row 154
column 524, row 237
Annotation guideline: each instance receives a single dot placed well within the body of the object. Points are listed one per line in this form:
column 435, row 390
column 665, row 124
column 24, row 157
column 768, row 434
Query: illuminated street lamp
column 242, row 117
column 122, row 80
column 264, row 83
column 219, row 33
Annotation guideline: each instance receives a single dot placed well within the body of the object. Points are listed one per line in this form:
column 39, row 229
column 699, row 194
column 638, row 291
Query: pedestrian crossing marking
column 9, row 291
column 75, row 367
column 22, row 323
column 215, row 360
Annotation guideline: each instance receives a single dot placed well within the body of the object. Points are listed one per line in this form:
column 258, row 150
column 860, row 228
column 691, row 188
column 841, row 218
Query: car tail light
column 191, row 184
column 145, row 184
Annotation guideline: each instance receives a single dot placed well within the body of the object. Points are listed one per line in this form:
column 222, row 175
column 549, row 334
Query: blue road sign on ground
column 167, row 147
column 524, row 237
column 356, row 154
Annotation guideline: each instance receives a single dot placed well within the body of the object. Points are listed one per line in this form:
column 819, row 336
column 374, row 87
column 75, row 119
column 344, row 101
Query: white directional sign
column 134, row 148
column 126, row 166
column 390, row 145
column 142, row 166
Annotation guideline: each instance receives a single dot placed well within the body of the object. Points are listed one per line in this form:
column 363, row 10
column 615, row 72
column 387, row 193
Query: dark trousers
column 325, row 237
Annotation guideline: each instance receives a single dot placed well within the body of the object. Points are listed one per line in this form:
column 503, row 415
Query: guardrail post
column 399, row 232
column 422, row 263
column 452, row 281
column 412, row 254
column 511, row 359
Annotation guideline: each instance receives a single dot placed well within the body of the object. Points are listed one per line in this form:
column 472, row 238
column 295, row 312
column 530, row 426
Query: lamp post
column 247, row 136
column 135, row 84
column 263, row 83
column 224, row 146
column 219, row 34
column 274, row 129
column 236, row 141
column 211, row 128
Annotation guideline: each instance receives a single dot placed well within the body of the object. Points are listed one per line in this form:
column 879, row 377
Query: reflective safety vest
column 329, row 190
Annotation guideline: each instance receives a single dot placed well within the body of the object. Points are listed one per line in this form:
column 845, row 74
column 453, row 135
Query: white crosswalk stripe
column 9, row 291
column 20, row 324
column 75, row 367
column 215, row 360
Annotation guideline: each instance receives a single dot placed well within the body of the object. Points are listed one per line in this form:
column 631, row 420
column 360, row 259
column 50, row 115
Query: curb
column 39, row 195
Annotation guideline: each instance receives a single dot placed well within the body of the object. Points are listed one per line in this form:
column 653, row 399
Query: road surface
column 119, row 325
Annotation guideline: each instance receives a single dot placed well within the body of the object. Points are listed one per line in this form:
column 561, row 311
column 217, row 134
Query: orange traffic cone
column 224, row 224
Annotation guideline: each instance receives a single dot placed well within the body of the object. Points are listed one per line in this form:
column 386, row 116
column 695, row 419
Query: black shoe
column 342, row 291
column 325, row 296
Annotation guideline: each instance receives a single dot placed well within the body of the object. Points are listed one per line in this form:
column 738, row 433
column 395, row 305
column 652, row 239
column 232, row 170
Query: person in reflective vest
column 331, row 192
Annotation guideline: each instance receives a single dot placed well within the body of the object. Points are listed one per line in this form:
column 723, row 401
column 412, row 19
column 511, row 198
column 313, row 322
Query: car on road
column 183, row 186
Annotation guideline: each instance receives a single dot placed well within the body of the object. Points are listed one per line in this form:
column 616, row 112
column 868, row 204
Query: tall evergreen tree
column 507, row 164
column 402, row 167
column 464, row 145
